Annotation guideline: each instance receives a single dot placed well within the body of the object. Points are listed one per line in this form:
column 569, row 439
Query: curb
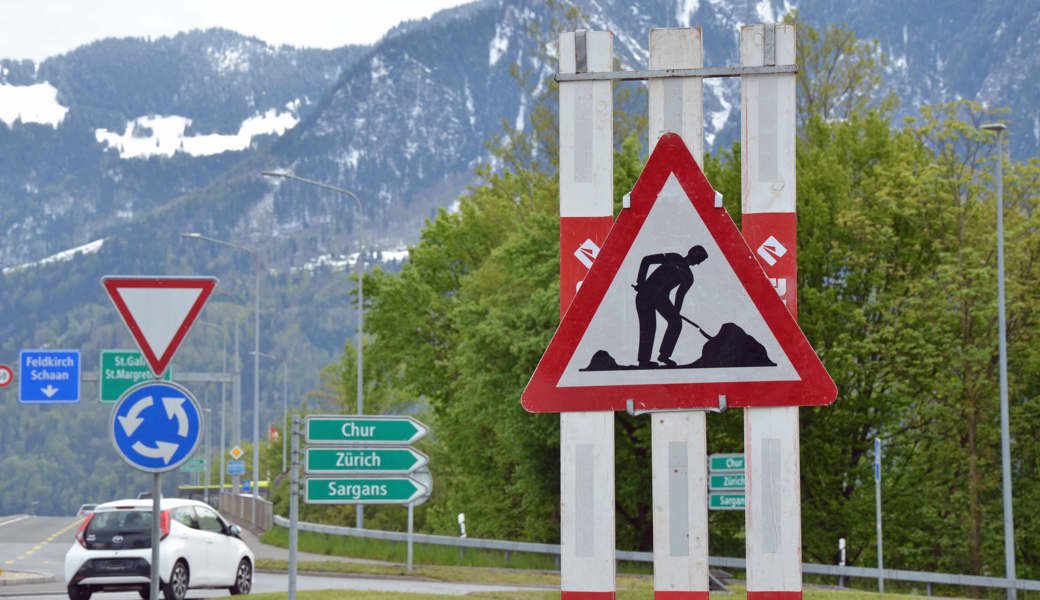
column 20, row 577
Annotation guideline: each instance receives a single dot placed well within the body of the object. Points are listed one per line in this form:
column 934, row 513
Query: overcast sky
column 37, row 29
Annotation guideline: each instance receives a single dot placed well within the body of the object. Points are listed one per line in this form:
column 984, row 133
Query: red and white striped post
column 679, row 439
column 771, row 437
column 587, row 539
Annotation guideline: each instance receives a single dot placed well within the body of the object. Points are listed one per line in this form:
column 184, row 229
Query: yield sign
column 676, row 312
column 159, row 311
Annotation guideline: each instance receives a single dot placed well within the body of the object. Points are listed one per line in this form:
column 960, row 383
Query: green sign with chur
column 383, row 430
column 364, row 460
column 350, row 490
column 726, row 462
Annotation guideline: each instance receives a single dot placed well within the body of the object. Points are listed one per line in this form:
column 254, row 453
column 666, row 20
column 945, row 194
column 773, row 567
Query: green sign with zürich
column 726, row 481
column 122, row 369
column 364, row 460
column 381, row 430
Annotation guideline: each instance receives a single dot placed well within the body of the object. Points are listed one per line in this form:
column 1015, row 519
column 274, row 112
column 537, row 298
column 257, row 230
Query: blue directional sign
column 48, row 376
column 156, row 425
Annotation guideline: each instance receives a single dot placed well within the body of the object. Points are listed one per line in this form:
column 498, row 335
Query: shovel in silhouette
column 699, row 328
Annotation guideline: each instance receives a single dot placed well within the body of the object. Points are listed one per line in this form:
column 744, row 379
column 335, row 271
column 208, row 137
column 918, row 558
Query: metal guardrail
column 721, row 562
column 239, row 508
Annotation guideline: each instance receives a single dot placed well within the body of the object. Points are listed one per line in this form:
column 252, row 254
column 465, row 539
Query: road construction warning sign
column 676, row 312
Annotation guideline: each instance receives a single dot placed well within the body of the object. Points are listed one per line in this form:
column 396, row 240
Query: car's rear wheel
column 78, row 592
column 243, row 578
column 176, row 587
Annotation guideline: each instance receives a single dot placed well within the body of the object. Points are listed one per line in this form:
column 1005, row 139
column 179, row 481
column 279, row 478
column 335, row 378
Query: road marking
column 14, row 519
column 46, row 540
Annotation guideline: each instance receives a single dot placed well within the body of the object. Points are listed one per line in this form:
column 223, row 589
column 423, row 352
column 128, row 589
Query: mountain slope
column 400, row 124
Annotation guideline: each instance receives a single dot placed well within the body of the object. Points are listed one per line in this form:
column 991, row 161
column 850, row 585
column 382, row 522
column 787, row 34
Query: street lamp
column 206, row 443
column 1005, row 436
column 285, row 402
column 361, row 292
column 256, row 356
column 223, row 398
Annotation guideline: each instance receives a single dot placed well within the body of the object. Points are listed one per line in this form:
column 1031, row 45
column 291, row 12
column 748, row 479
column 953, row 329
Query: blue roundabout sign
column 156, row 425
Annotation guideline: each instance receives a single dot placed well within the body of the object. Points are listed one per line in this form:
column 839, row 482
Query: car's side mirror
column 235, row 530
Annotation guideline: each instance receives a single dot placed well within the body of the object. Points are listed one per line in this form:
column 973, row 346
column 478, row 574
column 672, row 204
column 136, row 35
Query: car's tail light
column 164, row 525
column 82, row 529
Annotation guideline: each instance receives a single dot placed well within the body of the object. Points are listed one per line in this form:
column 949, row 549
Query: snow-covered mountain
column 109, row 152
column 121, row 128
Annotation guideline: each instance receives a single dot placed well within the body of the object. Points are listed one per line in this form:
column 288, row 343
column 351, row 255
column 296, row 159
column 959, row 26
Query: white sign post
column 773, row 515
column 679, row 439
column 739, row 347
column 587, row 547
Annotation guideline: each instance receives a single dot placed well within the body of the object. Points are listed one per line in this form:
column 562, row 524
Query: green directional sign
column 122, row 369
column 726, row 462
column 349, row 490
column 335, row 461
column 726, row 481
column 381, row 430
column 724, row 501
column 195, row 465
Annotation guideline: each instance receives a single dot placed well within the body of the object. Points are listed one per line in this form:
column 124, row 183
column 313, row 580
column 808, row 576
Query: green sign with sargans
column 375, row 490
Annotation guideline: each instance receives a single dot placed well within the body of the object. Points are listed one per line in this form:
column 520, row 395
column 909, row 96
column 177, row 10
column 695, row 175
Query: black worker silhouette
column 661, row 286
column 673, row 272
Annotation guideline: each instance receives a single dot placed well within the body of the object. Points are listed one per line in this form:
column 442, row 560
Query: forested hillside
column 897, row 293
column 897, row 261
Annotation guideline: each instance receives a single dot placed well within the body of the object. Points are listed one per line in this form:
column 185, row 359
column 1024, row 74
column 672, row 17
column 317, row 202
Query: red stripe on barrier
column 674, row 595
column 565, row 595
column 774, row 595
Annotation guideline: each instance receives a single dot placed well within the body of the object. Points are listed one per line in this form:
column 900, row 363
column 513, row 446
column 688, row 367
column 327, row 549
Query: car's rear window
column 112, row 529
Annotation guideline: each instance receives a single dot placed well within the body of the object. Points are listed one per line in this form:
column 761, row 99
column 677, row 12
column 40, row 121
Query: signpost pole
column 587, row 536
column 411, row 532
column 679, row 439
column 877, row 519
column 771, row 438
column 294, row 503
column 156, row 493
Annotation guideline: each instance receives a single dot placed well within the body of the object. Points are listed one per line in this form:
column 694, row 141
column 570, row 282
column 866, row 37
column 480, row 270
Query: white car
column 197, row 549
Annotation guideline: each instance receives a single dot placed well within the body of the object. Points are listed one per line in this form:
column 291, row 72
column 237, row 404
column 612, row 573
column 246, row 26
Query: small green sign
column 122, row 369
column 385, row 490
column 726, row 481
column 195, row 465
column 726, row 462
column 364, row 460
column 723, row 501
column 386, row 430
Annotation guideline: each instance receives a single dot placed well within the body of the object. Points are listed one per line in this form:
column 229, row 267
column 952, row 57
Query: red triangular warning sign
column 159, row 311
column 676, row 312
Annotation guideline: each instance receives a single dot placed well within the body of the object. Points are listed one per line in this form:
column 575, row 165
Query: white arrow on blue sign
column 156, row 426
column 48, row 376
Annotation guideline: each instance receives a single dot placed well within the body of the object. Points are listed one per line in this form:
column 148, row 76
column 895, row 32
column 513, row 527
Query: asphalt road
column 32, row 556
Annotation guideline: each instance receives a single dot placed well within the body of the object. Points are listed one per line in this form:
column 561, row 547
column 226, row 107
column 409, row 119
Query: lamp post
column 223, row 399
column 205, row 436
column 1005, row 436
column 285, row 402
column 256, row 356
column 360, row 514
